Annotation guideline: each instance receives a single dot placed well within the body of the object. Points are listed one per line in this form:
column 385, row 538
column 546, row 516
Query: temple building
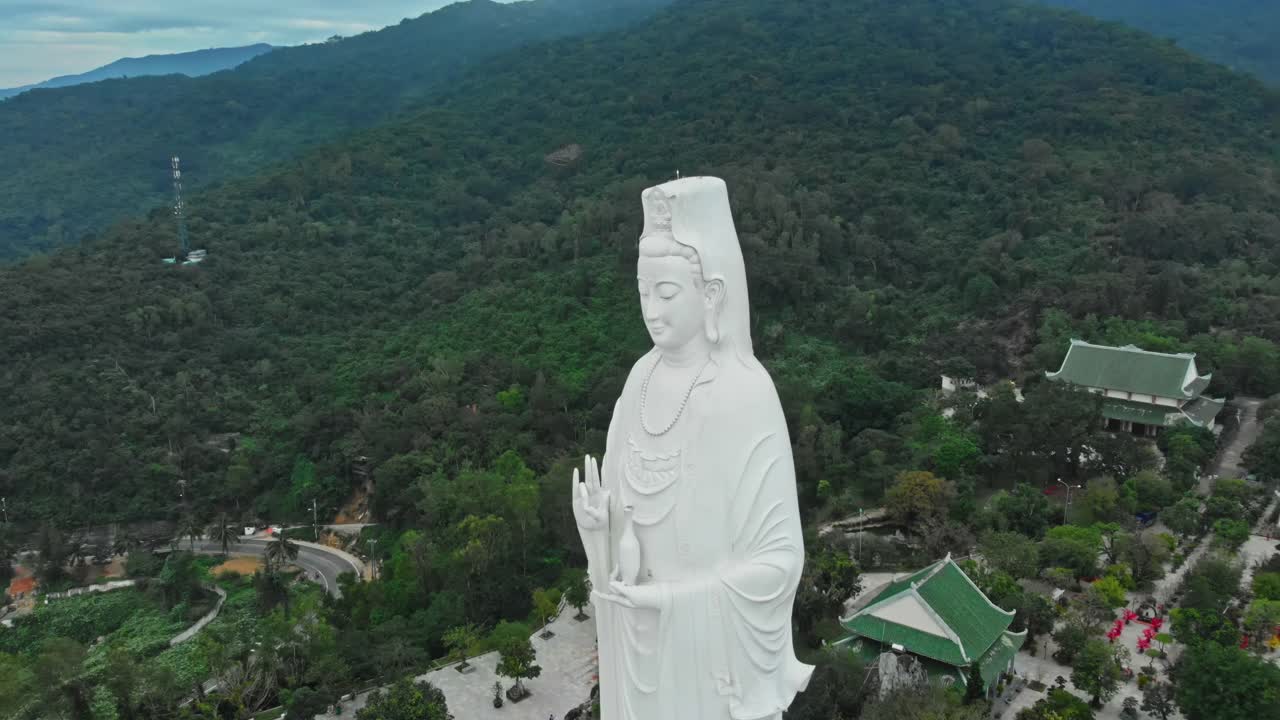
column 1145, row 391
column 941, row 617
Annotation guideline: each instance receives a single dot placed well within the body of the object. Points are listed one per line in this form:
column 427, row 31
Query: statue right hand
column 590, row 499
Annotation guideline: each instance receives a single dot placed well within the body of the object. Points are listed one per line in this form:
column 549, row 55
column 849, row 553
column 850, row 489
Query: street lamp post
column 1066, row 508
column 315, row 526
column 373, row 558
column 4, row 505
column 861, row 530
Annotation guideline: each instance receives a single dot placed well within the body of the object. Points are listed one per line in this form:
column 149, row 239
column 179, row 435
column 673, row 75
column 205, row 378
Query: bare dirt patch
column 242, row 565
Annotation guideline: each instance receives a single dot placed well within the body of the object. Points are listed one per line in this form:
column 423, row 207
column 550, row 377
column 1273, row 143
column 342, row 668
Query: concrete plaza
column 568, row 662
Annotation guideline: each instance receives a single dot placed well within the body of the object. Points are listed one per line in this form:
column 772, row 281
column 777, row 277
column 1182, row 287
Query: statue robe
column 716, row 514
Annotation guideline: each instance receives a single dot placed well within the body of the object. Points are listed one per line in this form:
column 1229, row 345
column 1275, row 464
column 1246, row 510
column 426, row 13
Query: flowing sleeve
column 752, row 593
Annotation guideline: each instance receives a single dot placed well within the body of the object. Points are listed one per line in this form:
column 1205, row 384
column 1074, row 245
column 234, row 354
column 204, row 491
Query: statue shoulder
column 749, row 390
column 639, row 369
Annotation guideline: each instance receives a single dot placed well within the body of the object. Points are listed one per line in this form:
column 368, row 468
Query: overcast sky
column 40, row 40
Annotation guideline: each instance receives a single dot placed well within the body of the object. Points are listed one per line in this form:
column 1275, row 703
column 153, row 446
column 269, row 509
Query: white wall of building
column 907, row 610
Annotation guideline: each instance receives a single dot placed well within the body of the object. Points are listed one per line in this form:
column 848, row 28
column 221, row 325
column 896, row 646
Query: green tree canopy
column 1024, row 510
column 917, row 496
column 406, row 700
column 1096, row 670
column 1074, row 547
column 1219, row 682
column 1057, row 705
column 1011, row 552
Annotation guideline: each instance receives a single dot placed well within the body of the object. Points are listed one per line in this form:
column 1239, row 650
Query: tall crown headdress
column 657, row 212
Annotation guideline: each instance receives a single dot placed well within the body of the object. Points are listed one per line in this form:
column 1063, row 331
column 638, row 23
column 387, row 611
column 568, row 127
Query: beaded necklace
column 644, row 396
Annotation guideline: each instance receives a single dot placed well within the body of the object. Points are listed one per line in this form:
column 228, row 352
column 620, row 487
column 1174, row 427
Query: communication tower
column 186, row 256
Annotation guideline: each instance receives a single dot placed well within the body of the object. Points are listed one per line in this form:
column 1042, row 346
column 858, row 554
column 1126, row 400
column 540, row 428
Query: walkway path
column 1041, row 666
column 873, row 517
column 1165, row 587
column 568, row 673
column 209, row 617
column 87, row 589
column 1227, row 465
column 1260, row 546
column 1230, row 459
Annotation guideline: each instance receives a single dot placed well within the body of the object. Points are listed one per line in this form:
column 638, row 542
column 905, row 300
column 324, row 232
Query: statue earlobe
column 714, row 298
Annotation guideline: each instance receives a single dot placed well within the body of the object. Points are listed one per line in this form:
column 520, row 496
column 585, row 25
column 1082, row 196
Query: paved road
column 870, row 518
column 1229, row 460
column 314, row 560
column 341, row 528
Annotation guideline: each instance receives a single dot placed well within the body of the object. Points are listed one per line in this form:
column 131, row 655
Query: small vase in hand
column 628, row 550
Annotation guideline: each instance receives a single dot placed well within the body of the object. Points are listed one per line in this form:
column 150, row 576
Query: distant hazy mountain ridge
column 115, row 137
column 1241, row 34
column 191, row 64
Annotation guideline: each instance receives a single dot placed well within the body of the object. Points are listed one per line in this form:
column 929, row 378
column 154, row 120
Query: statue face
column 671, row 300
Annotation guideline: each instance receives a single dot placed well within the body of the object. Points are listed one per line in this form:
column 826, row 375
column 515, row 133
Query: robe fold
column 718, row 522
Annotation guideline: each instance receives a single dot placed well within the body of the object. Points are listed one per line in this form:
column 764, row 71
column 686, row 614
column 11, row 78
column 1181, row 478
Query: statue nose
column 651, row 308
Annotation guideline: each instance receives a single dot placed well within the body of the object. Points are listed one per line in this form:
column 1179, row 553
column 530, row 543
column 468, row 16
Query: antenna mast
column 179, row 213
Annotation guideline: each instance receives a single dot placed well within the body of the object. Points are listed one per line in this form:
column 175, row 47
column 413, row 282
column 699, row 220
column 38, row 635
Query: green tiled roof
column 997, row 658
column 1198, row 385
column 915, row 641
column 955, row 602
column 1130, row 411
column 1202, row 411
column 964, row 608
column 1131, row 369
column 897, row 586
column 1199, row 412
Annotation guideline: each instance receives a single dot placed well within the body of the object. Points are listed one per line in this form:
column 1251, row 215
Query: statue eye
column 666, row 291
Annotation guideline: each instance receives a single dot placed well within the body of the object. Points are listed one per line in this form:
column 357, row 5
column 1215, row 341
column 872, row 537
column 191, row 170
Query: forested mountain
column 78, row 158
column 191, row 64
column 1241, row 34
column 919, row 185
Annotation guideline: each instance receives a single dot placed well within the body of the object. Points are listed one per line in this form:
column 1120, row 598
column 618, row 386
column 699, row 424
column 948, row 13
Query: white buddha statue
column 690, row 522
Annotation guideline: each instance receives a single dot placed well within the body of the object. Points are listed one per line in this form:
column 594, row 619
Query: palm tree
column 188, row 528
column 279, row 550
column 125, row 542
column 222, row 533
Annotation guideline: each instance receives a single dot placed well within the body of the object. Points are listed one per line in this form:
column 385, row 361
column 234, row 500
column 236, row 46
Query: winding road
column 317, row 561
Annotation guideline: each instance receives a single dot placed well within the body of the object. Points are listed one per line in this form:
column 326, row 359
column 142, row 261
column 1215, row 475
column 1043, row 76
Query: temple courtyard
column 568, row 662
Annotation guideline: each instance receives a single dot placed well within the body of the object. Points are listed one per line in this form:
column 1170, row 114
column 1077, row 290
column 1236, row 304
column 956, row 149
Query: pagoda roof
column 1138, row 412
column 997, row 658
column 918, row 642
column 1202, row 411
column 1132, row 369
column 937, row 613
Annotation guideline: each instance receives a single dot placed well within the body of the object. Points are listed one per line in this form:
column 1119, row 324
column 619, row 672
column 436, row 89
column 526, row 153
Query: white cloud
column 43, row 40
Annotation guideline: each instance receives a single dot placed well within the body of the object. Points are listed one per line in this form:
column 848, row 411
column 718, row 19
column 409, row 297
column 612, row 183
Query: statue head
column 692, row 282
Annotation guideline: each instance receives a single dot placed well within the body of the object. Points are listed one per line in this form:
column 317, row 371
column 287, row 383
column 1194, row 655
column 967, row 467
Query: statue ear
column 713, row 292
column 713, row 295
